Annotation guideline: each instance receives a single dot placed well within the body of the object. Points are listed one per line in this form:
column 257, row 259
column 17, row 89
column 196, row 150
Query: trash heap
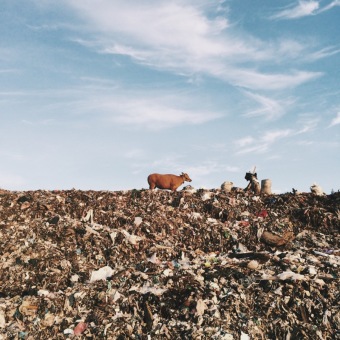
column 194, row 264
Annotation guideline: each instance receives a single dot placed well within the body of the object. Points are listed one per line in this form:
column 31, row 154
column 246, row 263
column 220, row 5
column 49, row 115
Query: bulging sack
column 316, row 190
column 226, row 186
column 266, row 187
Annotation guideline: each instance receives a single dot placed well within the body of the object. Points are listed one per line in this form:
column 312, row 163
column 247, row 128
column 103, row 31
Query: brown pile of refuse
column 192, row 264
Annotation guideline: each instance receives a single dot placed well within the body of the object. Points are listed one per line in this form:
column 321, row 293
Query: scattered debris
column 192, row 264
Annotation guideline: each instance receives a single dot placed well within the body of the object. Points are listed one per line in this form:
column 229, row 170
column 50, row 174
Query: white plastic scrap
column 2, row 319
column 88, row 217
column 184, row 262
column 153, row 259
column 325, row 317
column 113, row 236
column 244, row 336
column 320, row 282
column 168, row 272
column 92, row 231
column 101, row 274
column 200, row 307
column 46, row 293
column 133, row 239
column 212, row 220
column 259, row 233
column 138, row 221
column 196, row 215
column 74, row 278
column 290, row 275
column 278, row 291
column 312, row 270
column 147, row 289
column 224, row 336
column 107, row 327
column 116, row 296
column 207, row 196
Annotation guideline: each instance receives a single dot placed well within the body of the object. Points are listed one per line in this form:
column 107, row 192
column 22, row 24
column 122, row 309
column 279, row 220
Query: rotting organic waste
column 195, row 264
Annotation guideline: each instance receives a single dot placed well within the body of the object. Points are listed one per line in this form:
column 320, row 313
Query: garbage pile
column 194, row 264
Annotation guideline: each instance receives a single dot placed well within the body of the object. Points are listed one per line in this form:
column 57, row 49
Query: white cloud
column 153, row 115
column 330, row 6
column 244, row 141
column 257, row 148
column 261, row 144
column 265, row 140
column 180, row 37
column 335, row 120
column 302, row 9
column 308, row 123
column 253, row 79
column 148, row 109
column 8, row 71
column 208, row 168
column 323, row 53
column 271, row 136
column 269, row 108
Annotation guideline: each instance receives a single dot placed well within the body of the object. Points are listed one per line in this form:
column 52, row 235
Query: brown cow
column 171, row 182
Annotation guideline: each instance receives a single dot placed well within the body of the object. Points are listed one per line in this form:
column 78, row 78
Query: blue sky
column 98, row 94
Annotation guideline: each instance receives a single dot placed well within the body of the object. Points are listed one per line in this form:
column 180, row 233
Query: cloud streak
column 181, row 38
column 305, row 124
column 154, row 115
column 270, row 109
column 335, row 120
column 262, row 144
column 150, row 109
column 303, row 9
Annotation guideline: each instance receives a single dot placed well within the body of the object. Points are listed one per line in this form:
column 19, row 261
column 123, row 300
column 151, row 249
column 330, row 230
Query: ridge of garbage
column 193, row 264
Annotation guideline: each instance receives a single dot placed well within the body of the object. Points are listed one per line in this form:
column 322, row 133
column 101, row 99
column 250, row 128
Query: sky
column 96, row 95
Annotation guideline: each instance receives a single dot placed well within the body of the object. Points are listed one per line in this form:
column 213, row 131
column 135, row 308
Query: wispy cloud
column 330, row 6
column 335, row 120
column 8, row 71
column 244, row 141
column 270, row 108
column 308, row 123
column 180, row 37
column 210, row 167
column 261, row 144
column 302, row 9
column 154, row 115
column 255, row 80
column 151, row 109
column 323, row 53
column 271, row 136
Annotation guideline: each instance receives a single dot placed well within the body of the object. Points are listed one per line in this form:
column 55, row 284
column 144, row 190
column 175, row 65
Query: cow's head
column 185, row 177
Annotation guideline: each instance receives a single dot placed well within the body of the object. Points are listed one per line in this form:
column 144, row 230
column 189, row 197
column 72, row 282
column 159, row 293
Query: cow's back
column 161, row 181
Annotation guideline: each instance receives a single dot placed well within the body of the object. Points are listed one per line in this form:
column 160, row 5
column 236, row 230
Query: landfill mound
column 193, row 264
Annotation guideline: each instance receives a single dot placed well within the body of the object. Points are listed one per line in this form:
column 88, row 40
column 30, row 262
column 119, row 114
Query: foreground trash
column 194, row 264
